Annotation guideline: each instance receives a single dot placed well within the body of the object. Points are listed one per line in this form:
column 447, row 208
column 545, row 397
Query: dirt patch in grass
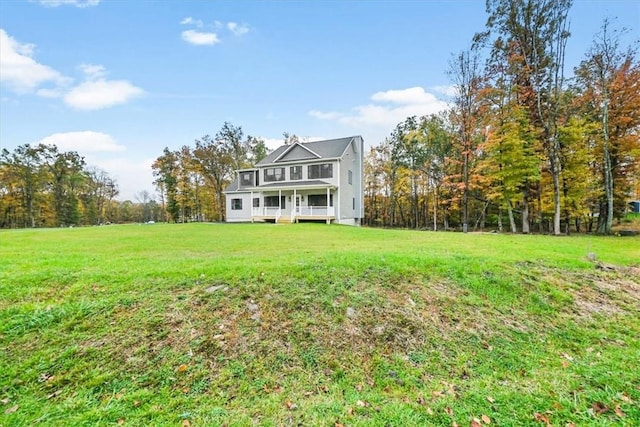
column 605, row 291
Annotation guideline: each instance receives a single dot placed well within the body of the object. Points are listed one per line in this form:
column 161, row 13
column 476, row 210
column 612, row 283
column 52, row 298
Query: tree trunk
column 525, row 210
column 608, row 174
column 435, row 210
column 512, row 221
column 555, row 172
column 465, row 196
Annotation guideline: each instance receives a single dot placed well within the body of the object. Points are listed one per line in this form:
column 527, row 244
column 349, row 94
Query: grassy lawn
column 258, row 324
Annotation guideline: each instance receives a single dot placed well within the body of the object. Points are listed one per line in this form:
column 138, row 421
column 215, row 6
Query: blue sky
column 118, row 81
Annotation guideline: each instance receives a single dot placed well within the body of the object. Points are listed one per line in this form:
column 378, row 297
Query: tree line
column 522, row 147
column 41, row 186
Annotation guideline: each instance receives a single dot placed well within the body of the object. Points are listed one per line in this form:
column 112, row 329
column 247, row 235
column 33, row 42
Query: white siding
column 239, row 215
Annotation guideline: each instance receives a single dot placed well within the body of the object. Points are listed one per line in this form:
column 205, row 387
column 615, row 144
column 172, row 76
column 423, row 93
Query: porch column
column 279, row 199
column 328, row 204
column 251, row 206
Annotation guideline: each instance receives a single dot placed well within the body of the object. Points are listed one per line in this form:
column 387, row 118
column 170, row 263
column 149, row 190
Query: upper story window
column 246, row 178
column 295, row 173
column 324, row 170
column 350, row 177
column 273, row 174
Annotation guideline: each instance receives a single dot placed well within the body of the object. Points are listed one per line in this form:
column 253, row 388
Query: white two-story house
column 311, row 181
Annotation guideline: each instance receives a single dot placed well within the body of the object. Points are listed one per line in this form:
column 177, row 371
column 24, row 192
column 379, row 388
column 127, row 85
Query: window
column 236, row 204
column 324, row 170
column 246, row 178
column 272, row 202
column 256, row 202
column 319, row 200
column 350, row 177
column 273, row 174
column 295, row 172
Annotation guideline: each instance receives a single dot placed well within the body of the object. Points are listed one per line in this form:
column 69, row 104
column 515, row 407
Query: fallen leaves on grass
column 186, row 423
column 5, row 401
column 619, row 411
column 11, row 410
column 448, row 410
column 490, row 399
column 182, row 368
column 485, row 419
column 599, row 408
column 541, row 418
column 290, row 405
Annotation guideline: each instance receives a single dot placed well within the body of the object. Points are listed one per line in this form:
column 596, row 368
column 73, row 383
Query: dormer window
column 246, row 178
column 273, row 174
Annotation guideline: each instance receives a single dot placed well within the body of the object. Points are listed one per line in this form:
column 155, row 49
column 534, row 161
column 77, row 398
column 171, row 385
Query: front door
column 298, row 205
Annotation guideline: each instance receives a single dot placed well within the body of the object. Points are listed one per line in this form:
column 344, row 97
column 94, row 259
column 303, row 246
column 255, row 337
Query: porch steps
column 284, row 220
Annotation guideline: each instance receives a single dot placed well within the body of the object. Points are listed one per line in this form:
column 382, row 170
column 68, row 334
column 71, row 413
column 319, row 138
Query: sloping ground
column 366, row 327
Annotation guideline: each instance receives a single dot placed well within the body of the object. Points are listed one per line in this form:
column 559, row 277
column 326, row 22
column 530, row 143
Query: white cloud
column 190, row 21
column 20, row 71
column 22, row 74
column 273, row 143
column 83, row 142
column 93, row 71
column 76, row 3
column 388, row 109
column 237, row 29
column 101, row 93
column 449, row 90
column 325, row 115
column 411, row 96
column 50, row 93
column 200, row 38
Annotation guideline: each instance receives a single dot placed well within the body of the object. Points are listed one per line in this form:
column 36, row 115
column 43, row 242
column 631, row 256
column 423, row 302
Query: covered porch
column 288, row 204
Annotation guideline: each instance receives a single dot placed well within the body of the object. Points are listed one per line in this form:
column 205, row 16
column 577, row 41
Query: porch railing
column 265, row 211
column 303, row 211
column 297, row 212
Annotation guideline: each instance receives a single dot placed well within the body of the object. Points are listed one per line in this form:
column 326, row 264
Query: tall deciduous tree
column 537, row 32
column 609, row 78
column 165, row 170
column 466, row 74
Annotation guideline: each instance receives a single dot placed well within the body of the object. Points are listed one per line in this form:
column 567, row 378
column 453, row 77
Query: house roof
column 298, row 184
column 234, row 186
column 327, row 149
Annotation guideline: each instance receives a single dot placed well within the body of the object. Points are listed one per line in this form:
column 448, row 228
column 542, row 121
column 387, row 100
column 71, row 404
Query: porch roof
column 312, row 184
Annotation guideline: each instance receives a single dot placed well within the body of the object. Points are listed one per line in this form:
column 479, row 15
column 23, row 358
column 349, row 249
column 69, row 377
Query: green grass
column 316, row 325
